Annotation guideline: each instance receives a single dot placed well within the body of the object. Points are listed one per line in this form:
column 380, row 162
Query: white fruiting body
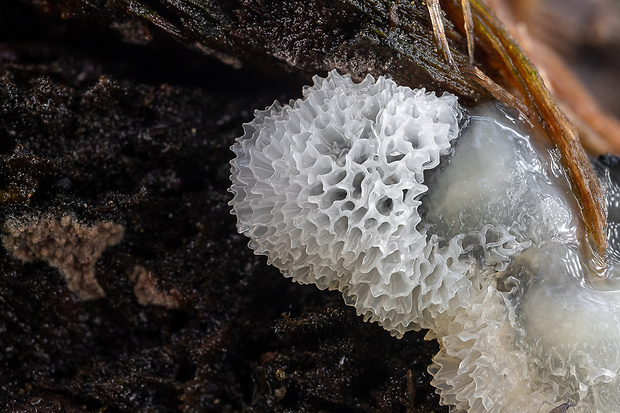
column 427, row 217
column 328, row 188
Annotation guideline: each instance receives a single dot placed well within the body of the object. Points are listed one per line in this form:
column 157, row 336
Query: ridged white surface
column 479, row 368
column 534, row 334
column 547, row 341
column 328, row 188
column 365, row 188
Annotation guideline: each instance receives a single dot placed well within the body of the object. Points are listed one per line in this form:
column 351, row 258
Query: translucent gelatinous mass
column 426, row 215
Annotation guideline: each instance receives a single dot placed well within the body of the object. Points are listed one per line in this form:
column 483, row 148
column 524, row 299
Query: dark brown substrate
column 139, row 135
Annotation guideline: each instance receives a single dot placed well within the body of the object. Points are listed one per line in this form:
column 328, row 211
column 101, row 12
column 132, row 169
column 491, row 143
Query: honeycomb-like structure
column 332, row 188
column 328, row 188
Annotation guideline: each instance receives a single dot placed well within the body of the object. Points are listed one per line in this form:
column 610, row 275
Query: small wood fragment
column 410, row 391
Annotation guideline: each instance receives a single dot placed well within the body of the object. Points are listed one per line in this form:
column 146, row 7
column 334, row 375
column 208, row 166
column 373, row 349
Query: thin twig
column 499, row 93
column 469, row 29
column 440, row 35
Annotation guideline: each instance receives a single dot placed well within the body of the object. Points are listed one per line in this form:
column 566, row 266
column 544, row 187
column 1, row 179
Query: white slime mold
column 426, row 216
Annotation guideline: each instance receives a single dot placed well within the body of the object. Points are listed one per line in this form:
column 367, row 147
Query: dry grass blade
column 440, row 34
column 469, row 29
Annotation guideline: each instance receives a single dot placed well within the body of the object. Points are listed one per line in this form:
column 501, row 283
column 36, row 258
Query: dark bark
column 354, row 36
column 138, row 135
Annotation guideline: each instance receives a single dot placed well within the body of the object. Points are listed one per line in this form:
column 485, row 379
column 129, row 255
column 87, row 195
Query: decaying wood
column 368, row 36
column 354, row 36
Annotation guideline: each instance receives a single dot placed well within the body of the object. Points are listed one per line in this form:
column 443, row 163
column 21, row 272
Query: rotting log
column 361, row 37
column 354, row 36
